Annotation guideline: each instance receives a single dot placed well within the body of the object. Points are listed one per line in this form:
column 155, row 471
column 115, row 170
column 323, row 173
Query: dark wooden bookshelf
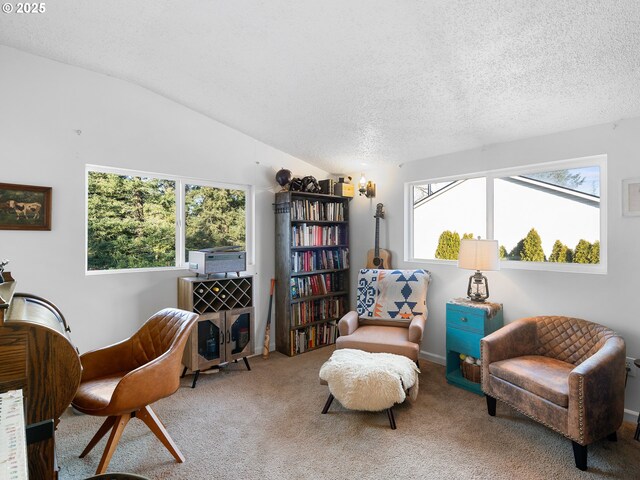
column 288, row 208
column 319, row 222
column 312, row 247
column 317, row 322
column 317, row 297
column 316, row 272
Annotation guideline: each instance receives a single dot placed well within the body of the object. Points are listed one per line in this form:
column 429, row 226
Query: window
column 547, row 216
column 135, row 220
column 446, row 212
column 214, row 216
column 130, row 222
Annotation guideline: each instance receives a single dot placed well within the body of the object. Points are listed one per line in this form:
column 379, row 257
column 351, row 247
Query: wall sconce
column 368, row 189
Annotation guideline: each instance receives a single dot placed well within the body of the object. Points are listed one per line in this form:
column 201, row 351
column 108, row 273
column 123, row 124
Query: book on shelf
column 311, row 260
column 312, row 337
column 319, row 284
column 304, row 235
column 315, row 210
column 309, row 311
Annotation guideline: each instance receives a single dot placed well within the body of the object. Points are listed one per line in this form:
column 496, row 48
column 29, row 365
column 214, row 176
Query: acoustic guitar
column 378, row 257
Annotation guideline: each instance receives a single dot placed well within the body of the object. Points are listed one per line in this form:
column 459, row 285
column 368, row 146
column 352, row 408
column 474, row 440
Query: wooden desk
column 37, row 356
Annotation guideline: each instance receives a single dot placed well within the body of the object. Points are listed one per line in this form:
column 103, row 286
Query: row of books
column 304, row 235
column 317, row 285
column 314, row 336
column 316, row 210
column 315, row 310
column 312, row 260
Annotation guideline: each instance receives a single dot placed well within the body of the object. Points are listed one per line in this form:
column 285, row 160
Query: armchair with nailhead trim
column 565, row 373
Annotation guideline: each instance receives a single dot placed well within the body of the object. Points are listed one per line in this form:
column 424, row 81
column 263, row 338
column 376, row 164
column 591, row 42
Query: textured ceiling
column 345, row 83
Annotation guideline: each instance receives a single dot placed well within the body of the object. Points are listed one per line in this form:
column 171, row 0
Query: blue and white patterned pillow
column 392, row 294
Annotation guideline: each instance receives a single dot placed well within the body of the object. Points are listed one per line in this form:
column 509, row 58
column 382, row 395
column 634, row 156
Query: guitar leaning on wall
column 378, row 257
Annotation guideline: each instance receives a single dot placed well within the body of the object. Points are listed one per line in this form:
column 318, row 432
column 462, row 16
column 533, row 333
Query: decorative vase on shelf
column 283, row 177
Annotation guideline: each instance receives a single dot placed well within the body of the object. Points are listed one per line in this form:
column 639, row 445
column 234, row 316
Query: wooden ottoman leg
column 328, row 404
column 392, row 420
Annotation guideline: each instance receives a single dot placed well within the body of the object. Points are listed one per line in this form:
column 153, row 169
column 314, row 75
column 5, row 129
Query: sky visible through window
column 584, row 180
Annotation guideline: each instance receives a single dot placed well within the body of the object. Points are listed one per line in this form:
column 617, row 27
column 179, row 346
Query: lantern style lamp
column 479, row 255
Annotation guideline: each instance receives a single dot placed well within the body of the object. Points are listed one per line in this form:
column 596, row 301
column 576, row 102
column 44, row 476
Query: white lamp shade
column 476, row 254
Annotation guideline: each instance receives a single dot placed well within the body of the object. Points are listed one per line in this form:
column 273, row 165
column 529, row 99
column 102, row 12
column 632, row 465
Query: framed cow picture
column 25, row 207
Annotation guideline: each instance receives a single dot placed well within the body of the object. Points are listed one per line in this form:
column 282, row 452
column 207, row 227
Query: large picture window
column 138, row 220
column 544, row 217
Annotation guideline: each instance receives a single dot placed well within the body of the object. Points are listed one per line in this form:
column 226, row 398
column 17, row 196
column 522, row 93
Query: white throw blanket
column 361, row 380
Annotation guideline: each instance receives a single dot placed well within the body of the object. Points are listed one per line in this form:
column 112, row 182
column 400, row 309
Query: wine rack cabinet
column 225, row 328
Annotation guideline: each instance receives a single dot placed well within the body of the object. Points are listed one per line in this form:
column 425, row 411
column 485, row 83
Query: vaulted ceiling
column 349, row 85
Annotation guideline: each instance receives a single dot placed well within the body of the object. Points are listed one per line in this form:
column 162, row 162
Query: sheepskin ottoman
column 369, row 381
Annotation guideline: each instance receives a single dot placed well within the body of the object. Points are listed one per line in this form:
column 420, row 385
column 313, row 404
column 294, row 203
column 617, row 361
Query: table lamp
column 476, row 254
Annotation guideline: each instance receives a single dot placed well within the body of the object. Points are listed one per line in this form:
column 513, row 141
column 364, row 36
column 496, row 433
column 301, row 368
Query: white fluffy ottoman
column 369, row 381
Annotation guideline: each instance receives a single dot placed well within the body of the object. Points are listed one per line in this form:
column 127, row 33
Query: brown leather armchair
column 565, row 373
column 390, row 315
column 122, row 380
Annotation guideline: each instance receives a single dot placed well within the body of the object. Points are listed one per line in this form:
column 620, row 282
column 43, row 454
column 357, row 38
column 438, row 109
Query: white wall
column 607, row 299
column 54, row 119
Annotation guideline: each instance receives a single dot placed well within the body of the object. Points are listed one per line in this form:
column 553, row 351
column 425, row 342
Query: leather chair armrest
column 348, row 324
column 108, row 360
column 513, row 340
column 596, row 393
column 148, row 383
column 416, row 329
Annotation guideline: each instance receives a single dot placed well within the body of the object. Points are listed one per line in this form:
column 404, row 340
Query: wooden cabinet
column 312, row 269
column 467, row 323
column 224, row 331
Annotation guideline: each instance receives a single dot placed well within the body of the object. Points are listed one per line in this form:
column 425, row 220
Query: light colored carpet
column 266, row 424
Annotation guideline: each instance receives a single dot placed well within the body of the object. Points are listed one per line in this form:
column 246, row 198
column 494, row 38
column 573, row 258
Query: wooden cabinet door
column 239, row 333
column 206, row 347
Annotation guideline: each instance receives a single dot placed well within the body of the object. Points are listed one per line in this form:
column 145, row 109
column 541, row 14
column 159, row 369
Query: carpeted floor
column 266, row 424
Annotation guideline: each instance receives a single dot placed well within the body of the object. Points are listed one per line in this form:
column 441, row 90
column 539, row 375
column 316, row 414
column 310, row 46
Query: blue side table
column 467, row 323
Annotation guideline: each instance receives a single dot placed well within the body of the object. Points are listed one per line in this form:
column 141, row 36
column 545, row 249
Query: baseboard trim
column 630, row 415
column 432, row 357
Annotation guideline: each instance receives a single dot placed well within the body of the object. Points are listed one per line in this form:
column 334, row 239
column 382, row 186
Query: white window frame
column 180, row 182
column 491, row 176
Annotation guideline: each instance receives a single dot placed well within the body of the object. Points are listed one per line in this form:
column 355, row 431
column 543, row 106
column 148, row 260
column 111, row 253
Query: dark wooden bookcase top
column 286, row 249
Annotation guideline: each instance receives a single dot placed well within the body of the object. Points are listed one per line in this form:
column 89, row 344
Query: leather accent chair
column 391, row 313
column 121, row 381
column 565, row 373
